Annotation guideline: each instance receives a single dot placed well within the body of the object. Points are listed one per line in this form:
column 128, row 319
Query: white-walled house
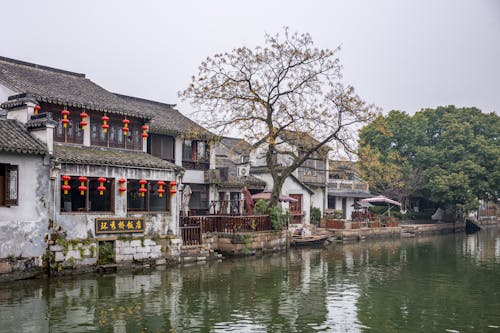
column 109, row 165
column 345, row 187
column 24, row 198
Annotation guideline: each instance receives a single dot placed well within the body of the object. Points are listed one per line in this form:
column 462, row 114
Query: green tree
column 286, row 86
column 449, row 155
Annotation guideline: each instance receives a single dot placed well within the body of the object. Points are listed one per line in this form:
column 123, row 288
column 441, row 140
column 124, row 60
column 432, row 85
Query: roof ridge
column 145, row 100
column 37, row 66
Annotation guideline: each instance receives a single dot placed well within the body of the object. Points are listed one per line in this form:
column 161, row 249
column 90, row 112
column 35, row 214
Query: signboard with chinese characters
column 119, row 225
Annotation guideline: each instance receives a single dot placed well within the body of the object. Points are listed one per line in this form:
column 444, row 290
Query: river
column 448, row 283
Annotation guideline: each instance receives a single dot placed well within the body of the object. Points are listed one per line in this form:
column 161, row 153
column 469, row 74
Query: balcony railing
column 347, row 185
column 192, row 227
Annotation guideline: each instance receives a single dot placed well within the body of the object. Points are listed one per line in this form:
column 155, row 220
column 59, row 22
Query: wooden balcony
column 347, row 185
column 192, row 227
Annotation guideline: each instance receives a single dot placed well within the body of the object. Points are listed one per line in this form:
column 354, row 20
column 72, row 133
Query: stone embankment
column 404, row 230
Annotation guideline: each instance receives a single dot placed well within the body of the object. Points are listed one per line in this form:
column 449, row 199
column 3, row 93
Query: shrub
column 315, row 215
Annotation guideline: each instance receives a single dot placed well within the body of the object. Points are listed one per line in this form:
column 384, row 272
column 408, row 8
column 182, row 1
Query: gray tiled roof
column 108, row 156
column 15, row 138
column 165, row 119
column 238, row 146
column 46, row 84
column 37, row 83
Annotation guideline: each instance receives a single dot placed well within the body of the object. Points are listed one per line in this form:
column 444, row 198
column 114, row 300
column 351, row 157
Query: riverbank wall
column 404, row 230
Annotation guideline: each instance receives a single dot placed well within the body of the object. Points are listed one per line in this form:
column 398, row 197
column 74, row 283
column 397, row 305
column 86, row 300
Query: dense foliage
column 448, row 155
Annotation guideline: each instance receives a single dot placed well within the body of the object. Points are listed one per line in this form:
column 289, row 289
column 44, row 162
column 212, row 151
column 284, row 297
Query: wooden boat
column 309, row 240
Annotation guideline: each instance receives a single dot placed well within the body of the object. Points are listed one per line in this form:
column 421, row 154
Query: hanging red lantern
column 143, row 188
column 144, row 134
column 125, row 128
column 82, row 188
column 65, row 187
column 65, row 120
column 160, row 188
column 101, row 188
column 36, row 109
column 105, row 125
column 84, row 117
column 122, row 188
column 172, row 187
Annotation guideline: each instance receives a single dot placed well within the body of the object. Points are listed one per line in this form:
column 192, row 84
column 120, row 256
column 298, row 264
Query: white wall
column 22, row 227
column 318, row 199
column 82, row 225
column 290, row 186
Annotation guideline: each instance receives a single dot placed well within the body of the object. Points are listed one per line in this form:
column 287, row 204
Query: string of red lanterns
column 65, row 187
column 160, row 188
column 65, row 120
column 143, row 189
column 82, row 188
column 144, row 134
column 101, row 188
column 172, row 187
column 36, row 109
column 84, row 122
column 122, row 188
column 125, row 128
column 105, row 125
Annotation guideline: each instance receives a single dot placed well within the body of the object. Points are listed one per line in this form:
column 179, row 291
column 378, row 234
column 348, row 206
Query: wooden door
column 296, row 208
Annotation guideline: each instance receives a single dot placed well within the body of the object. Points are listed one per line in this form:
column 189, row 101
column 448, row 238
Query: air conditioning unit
column 243, row 170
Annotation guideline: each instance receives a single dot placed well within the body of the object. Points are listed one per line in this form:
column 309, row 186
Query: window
column 114, row 136
column 9, row 185
column 91, row 200
column 73, row 133
column 162, row 146
column 151, row 201
column 199, row 197
column 194, row 150
column 195, row 155
column 245, row 159
column 309, row 168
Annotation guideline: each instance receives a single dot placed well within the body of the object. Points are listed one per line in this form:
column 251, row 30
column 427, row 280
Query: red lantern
column 125, row 128
column 143, row 188
column 144, row 134
column 105, row 125
column 65, row 120
column 122, row 188
column 36, row 109
column 83, row 123
column 101, row 188
column 172, row 187
column 160, row 188
column 82, row 188
column 66, row 187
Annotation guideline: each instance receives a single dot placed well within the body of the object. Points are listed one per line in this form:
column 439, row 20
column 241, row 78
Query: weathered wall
column 22, row 227
column 82, row 225
column 246, row 243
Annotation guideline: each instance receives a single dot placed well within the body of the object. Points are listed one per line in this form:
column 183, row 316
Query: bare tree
column 288, row 85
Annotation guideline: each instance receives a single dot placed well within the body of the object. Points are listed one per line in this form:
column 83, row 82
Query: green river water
column 448, row 283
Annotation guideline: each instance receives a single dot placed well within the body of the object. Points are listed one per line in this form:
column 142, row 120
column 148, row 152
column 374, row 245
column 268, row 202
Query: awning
column 381, row 199
column 267, row 196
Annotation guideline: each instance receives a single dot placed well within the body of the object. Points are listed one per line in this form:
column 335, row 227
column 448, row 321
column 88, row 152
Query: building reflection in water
column 350, row 287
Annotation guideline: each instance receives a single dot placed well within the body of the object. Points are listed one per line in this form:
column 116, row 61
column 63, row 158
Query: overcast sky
column 399, row 54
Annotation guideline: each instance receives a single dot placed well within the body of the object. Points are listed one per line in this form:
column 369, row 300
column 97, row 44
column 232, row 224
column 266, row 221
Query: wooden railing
column 192, row 227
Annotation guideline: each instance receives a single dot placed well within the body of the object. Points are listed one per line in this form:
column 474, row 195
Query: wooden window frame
column 8, row 201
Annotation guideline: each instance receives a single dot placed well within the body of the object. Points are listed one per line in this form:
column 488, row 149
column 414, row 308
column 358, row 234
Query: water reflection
column 418, row 285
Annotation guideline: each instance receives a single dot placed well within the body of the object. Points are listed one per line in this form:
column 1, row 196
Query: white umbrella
column 382, row 199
